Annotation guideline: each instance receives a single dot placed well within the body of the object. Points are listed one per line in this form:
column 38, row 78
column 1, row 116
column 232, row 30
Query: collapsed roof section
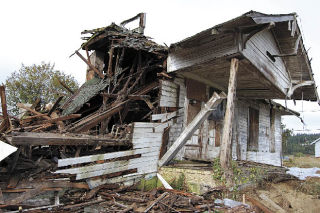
column 119, row 37
column 275, row 65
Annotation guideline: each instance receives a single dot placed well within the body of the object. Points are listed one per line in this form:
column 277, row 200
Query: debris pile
column 96, row 121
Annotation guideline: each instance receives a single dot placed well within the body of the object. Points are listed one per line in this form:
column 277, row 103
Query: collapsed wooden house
column 144, row 104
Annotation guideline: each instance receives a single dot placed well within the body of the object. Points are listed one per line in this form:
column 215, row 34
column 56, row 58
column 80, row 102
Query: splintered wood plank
column 90, row 65
column 58, row 119
column 22, row 106
column 93, row 182
column 165, row 116
column 105, row 166
column 214, row 101
column 144, row 124
column 95, row 120
column 93, row 158
column 32, row 138
column 142, row 164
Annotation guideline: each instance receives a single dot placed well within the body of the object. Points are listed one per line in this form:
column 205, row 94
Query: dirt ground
column 289, row 196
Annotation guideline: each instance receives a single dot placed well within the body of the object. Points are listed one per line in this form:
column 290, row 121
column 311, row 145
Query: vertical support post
column 6, row 122
column 226, row 146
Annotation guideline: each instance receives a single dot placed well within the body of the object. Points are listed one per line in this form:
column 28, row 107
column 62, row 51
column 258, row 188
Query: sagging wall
column 205, row 143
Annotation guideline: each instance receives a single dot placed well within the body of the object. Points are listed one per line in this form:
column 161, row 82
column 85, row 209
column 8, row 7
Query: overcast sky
column 34, row 31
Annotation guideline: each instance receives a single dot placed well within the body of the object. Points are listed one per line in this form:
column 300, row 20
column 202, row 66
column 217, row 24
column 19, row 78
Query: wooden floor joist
column 214, row 101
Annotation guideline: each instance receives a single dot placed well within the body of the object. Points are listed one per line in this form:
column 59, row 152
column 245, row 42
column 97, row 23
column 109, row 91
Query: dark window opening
column 253, row 129
column 272, row 130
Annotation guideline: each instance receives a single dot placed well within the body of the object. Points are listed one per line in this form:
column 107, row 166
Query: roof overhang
column 187, row 57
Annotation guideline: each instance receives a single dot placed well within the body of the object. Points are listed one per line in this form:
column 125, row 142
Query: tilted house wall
column 205, row 142
column 254, row 58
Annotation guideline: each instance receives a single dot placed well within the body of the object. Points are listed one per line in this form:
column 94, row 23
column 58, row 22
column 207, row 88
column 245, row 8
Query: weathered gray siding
column 264, row 154
column 202, row 145
column 178, row 126
column 256, row 52
column 202, row 51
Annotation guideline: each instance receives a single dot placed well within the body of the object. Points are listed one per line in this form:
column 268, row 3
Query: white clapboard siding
column 144, row 124
column 145, row 164
column 92, row 158
column 169, row 96
column 144, row 130
column 169, row 84
column 162, row 126
column 146, row 140
column 146, row 135
column 165, row 116
column 167, row 102
column 102, row 166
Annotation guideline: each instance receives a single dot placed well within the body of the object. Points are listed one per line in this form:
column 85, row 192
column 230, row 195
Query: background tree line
column 294, row 144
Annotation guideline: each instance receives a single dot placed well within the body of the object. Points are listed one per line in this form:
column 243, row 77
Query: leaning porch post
column 226, row 148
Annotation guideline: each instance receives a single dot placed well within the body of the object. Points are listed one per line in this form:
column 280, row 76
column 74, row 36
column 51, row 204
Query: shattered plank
column 96, row 119
column 55, row 105
column 36, row 139
column 149, row 207
column 22, row 106
column 62, row 118
column 92, row 158
column 143, row 164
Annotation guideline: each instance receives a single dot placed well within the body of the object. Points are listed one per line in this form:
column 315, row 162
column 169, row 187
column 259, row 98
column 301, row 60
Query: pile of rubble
column 122, row 87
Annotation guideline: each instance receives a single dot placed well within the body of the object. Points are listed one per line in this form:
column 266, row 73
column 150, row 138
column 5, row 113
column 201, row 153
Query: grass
column 302, row 162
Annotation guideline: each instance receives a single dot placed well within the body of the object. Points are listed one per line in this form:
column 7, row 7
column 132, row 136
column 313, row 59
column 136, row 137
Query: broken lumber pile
column 100, row 134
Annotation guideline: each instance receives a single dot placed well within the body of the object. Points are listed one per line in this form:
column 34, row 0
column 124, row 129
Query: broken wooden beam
column 214, row 101
column 62, row 118
column 149, row 207
column 225, row 153
column 94, row 120
column 55, row 105
column 22, row 106
column 259, row 205
column 90, row 65
column 36, row 139
column 65, row 86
